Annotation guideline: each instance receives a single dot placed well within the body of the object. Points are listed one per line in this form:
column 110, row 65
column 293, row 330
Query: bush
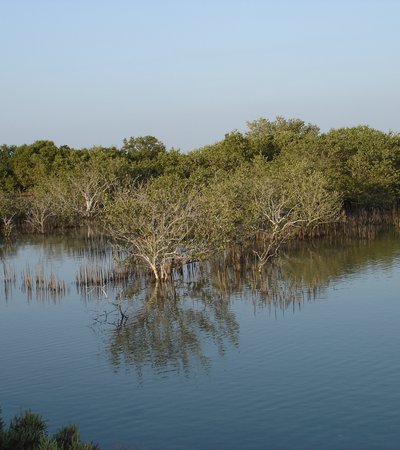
column 28, row 431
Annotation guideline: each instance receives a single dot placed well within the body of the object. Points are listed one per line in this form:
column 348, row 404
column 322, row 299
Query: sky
column 92, row 72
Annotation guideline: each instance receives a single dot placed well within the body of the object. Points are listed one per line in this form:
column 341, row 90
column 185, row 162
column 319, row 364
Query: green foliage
column 140, row 148
column 173, row 163
column 147, row 157
column 269, row 138
column 280, row 124
column 224, row 210
column 363, row 164
column 7, row 178
column 28, row 431
column 9, row 204
column 10, row 208
column 67, row 437
column 32, row 163
column 25, row 432
column 62, row 186
column 224, row 156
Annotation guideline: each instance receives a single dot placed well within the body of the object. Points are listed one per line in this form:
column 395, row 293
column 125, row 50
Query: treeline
column 276, row 180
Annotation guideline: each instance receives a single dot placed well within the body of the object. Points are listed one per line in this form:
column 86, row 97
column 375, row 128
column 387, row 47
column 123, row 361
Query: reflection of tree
column 76, row 243
column 8, row 248
column 302, row 271
column 324, row 261
column 7, row 272
column 271, row 288
column 168, row 330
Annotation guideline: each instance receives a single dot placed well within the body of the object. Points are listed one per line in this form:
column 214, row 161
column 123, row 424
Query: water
column 217, row 365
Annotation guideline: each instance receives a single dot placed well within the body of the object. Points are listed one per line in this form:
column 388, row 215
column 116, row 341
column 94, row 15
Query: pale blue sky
column 93, row 71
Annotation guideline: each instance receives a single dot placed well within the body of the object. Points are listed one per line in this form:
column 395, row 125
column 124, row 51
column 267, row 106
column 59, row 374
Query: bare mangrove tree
column 289, row 200
column 155, row 224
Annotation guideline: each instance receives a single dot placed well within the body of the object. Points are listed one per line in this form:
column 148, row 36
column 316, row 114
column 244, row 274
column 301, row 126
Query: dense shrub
column 28, row 431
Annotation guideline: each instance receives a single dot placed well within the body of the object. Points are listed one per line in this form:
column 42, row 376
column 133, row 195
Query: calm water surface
column 311, row 362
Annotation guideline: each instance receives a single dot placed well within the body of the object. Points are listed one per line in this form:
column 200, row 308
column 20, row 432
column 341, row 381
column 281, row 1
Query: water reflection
column 306, row 370
column 184, row 324
column 167, row 329
column 77, row 243
column 325, row 261
column 177, row 327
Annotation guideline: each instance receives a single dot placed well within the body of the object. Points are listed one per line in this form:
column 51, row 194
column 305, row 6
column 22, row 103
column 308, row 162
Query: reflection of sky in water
column 321, row 373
